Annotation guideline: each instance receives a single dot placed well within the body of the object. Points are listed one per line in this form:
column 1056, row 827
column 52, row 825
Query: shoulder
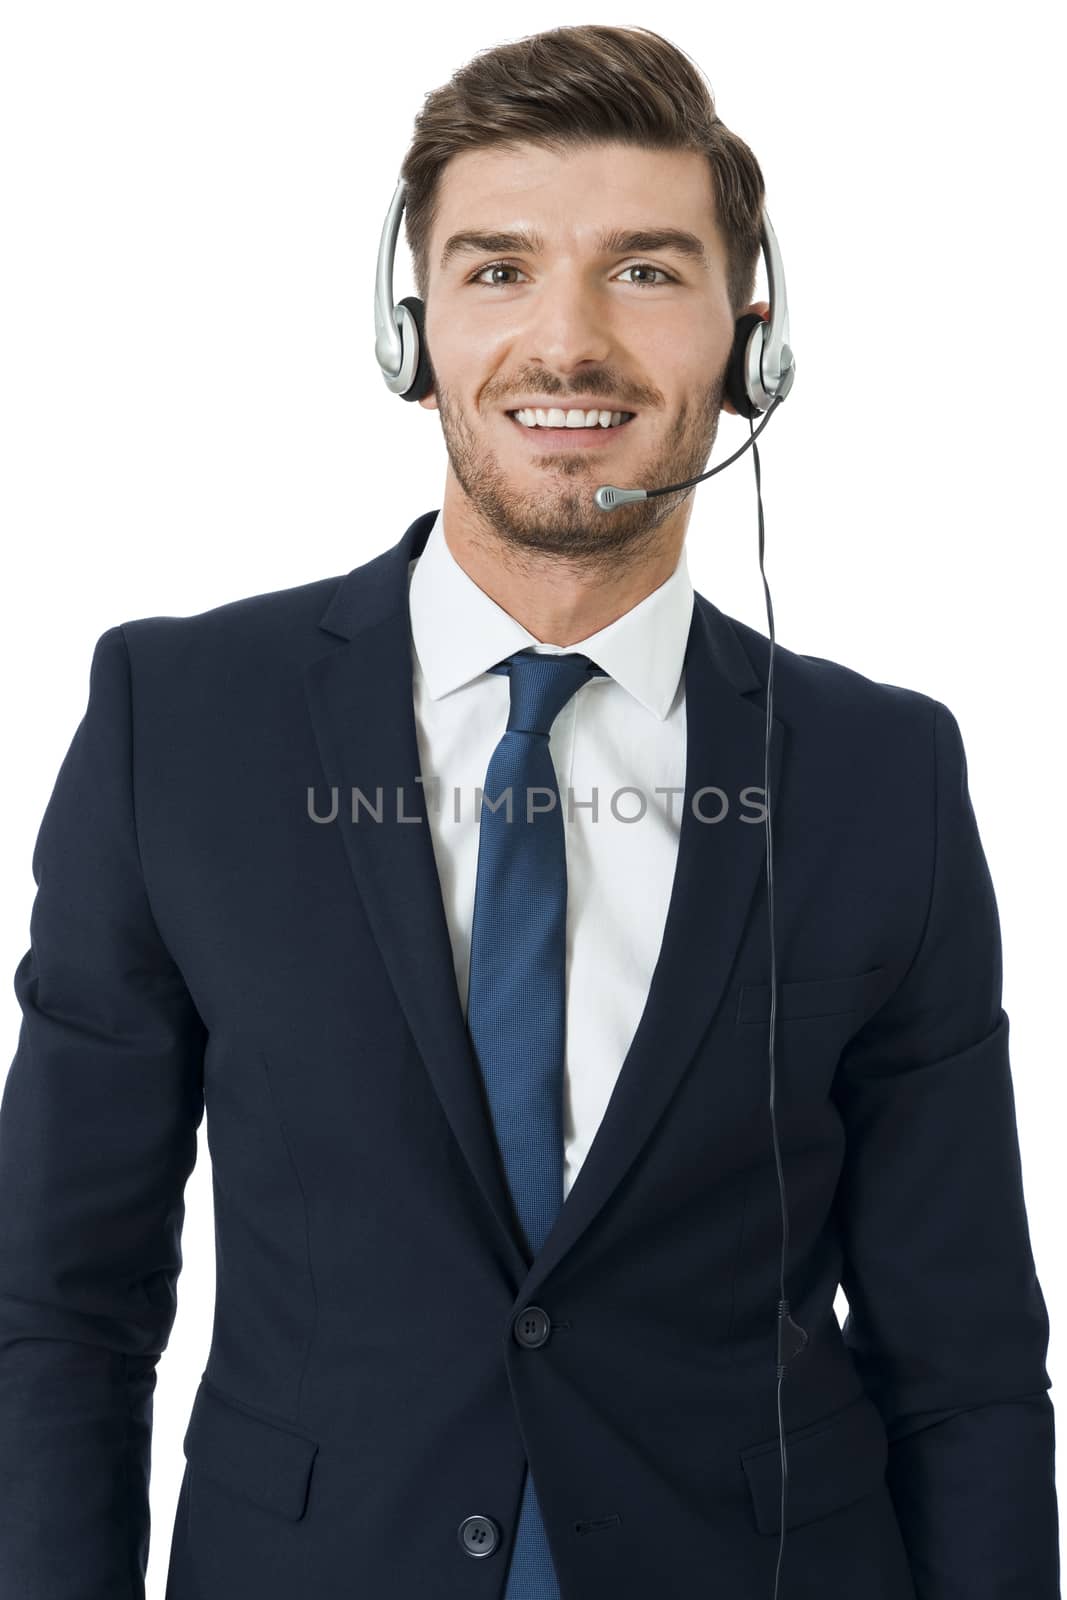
column 876, row 737
column 809, row 688
column 255, row 634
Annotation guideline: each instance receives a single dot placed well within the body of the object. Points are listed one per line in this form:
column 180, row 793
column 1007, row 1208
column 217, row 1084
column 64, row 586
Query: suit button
column 479, row 1536
column 532, row 1327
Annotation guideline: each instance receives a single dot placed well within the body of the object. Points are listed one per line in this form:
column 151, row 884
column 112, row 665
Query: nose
column 565, row 323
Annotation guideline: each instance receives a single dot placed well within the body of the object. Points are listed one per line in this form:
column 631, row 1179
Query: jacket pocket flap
column 830, row 1463
column 265, row 1462
column 813, row 997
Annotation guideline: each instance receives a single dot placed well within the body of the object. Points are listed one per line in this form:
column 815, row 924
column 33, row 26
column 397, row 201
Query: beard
column 560, row 517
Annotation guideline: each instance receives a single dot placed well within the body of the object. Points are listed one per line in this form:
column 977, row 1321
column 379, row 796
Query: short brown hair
column 573, row 87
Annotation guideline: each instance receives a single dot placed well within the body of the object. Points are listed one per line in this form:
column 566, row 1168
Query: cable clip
column 791, row 1337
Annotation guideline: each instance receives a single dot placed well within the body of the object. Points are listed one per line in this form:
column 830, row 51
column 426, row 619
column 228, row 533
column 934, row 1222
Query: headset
column 759, row 376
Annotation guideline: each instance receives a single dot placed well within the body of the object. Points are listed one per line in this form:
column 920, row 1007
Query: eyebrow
column 611, row 241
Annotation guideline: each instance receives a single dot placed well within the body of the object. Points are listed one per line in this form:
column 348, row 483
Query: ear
column 428, row 401
column 764, row 309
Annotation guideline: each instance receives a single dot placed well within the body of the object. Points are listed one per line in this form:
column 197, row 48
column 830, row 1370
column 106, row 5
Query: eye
column 509, row 266
column 646, row 266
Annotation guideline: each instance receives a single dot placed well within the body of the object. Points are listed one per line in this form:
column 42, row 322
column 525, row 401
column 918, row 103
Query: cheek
column 680, row 354
column 462, row 343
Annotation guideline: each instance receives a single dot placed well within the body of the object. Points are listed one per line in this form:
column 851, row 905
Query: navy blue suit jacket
column 198, row 940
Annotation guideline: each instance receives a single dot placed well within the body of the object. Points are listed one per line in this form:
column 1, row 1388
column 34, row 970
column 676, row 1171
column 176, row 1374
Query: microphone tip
column 608, row 497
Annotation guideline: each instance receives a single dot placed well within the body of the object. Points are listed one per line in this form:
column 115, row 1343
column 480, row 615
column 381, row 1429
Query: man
column 497, row 1214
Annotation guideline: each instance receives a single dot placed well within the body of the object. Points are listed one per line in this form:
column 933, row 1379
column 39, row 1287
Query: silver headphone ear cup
column 423, row 380
column 736, row 387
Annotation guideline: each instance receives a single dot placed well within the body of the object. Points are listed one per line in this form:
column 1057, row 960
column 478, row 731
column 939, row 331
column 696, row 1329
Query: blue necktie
column 516, row 996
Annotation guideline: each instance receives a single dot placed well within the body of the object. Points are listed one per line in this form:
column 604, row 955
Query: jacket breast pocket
column 268, row 1463
column 814, row 997
column 831, row 1463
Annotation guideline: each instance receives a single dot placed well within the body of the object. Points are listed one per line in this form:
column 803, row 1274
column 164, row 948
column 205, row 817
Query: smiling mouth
column 589, row 435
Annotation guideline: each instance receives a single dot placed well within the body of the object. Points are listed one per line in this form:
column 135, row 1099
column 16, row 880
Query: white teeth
column 557, row 418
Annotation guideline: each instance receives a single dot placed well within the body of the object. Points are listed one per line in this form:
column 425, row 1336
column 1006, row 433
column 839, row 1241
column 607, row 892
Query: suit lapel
column 360, row 700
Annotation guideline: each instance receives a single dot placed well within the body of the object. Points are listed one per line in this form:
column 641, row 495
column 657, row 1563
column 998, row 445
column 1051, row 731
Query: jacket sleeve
column 98, row 1131
column 947, row 1323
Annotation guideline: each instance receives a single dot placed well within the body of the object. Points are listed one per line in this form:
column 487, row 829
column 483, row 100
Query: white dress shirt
column 624, row 732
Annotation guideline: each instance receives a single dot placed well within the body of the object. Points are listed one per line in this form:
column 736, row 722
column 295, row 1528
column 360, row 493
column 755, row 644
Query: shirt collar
column 459, row 632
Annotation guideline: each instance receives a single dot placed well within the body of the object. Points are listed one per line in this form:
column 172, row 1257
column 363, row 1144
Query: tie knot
column 541, row 685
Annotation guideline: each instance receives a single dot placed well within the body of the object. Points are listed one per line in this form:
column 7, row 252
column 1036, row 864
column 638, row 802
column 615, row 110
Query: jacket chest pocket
column 265, row 1462
column 811, row 998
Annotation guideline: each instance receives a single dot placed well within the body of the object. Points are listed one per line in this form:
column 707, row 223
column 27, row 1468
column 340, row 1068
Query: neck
column 561, row 599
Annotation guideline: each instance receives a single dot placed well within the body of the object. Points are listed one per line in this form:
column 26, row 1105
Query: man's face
column 569, row 322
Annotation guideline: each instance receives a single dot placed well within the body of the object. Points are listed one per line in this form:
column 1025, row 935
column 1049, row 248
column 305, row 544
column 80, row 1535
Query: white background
column 190, row 410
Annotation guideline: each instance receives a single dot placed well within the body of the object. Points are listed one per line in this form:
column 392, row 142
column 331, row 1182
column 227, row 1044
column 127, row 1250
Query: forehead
column 571, row 200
